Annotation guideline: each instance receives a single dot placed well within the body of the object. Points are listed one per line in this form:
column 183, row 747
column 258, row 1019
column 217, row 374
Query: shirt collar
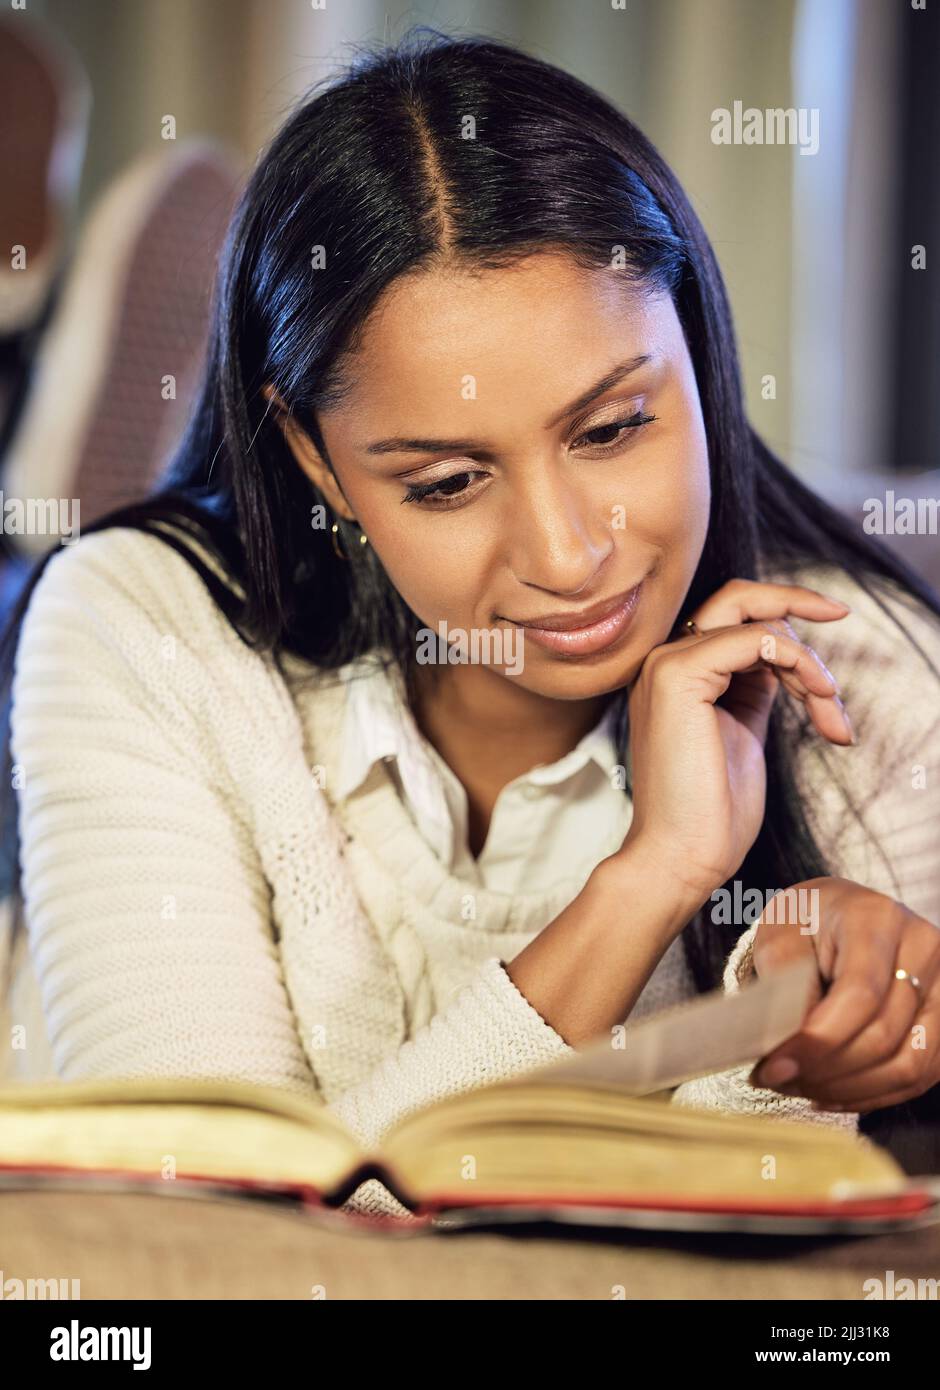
column 378, row 724
column 598, row 745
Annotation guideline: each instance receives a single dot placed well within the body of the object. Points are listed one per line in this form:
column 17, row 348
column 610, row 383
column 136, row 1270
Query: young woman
column 472, row 392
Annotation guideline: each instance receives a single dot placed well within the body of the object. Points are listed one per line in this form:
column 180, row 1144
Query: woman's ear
column 308, row 456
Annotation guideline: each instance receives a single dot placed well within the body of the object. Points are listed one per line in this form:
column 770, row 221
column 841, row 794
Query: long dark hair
column 468, row 150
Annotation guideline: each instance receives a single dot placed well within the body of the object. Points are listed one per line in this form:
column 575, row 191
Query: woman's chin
column 584, row 679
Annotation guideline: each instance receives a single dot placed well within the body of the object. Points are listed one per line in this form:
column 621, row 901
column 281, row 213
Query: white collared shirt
column 557, row 819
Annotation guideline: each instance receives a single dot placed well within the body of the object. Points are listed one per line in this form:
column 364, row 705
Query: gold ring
column 902, row 974
column 692, row 626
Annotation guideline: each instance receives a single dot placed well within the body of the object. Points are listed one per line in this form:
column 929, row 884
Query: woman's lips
column 585, row 641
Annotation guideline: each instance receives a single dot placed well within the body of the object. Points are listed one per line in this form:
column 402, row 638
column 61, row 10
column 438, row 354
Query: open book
column 592, row 1138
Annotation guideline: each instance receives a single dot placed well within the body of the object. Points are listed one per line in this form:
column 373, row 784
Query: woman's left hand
column 871, row 1040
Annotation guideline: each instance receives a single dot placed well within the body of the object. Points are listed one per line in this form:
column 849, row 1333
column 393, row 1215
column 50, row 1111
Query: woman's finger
column 726, row 650
column 890, row 1030
column 828, row 714
column 880, row 1102
column 908, row 1069
column 779, row 944
column 863, row 1066
column 861, row 973
column 896, row 1065
column 747, row 600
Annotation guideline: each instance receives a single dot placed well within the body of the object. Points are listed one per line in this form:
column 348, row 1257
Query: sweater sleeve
column 146, row 909
column 488, row 1033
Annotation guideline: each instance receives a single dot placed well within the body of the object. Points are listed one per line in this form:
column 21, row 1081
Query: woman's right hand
column 698, row 771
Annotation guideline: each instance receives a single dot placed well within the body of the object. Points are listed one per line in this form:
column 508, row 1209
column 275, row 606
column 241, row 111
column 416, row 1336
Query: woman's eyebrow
column 401, row 444
column 615, row 375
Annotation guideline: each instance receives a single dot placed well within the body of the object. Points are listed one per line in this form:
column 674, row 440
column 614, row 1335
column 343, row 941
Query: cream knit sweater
column 198, row 907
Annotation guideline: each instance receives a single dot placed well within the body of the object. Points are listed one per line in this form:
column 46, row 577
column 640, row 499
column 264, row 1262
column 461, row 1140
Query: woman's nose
column 558, row 538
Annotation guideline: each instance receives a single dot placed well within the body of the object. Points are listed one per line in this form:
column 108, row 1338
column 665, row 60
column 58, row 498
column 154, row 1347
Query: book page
column 708, row 1034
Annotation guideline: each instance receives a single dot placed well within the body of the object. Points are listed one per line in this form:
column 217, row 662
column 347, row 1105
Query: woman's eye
column 608, row 437
column 439, row 493
column 455, row 490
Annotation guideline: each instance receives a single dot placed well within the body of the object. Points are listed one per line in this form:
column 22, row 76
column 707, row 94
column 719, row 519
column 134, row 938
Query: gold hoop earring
column 334, row 535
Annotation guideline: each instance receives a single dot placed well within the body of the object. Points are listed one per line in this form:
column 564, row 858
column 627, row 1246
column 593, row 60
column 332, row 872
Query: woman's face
column 486, row 450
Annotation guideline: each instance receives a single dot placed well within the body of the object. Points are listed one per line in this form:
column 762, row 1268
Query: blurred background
column 839, row 332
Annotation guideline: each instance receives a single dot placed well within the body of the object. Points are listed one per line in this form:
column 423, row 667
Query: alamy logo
column 483, row 646
column 76, row 1343
column 900, row 516
column 41, row 516
column 773, row 126
column 39, row 1289
column 891, row 1287
column 740, row 906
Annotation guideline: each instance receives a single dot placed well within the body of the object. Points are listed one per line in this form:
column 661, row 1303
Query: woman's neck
column 489, row 731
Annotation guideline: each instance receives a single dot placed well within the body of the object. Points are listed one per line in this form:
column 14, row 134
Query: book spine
column 370, row 1168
